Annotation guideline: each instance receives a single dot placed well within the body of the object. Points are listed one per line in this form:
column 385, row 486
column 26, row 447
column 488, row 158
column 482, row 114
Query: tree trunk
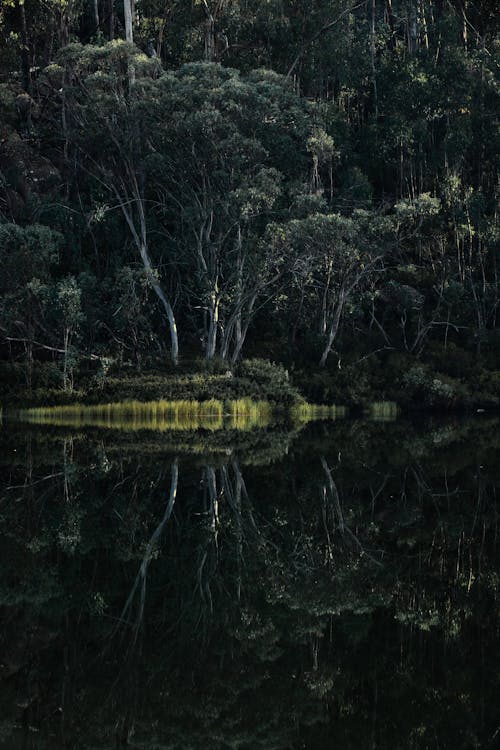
column 29, row 367
column 65, row 360
column 412, row 27
column 174, row 340
column 141, row 244
column 25, row 50
column 111, row 19
column 212, row 330
column 372, row 58
column 334, row 493
column 390, row 20
column 210, row 39
column 140, row 580
column 96, row 14
column 334, row 327
column 241, row 332
column 128, row 13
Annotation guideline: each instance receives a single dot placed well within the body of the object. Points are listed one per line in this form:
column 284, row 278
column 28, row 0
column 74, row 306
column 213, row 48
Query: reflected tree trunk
column 140, row 581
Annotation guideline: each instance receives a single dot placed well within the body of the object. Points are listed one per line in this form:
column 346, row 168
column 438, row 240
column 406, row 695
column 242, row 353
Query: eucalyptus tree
column 105, row 116
column 68, row 316
column 197, row 161
column 27, row 257
column 335, row 256
column 222, row 163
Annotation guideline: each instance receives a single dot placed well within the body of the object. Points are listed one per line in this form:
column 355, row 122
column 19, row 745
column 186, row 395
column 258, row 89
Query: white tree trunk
column 128, row 13
column 334, row 328
column 142, row 246
column 212, row 330
column 96, row 14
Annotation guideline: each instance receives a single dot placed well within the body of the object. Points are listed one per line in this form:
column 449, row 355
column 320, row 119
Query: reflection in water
column 162, row 416
column 139, row 587
column 333, row 587
column 383, row 411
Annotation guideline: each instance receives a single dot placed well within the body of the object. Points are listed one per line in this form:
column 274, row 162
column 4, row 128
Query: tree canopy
column 274, row 179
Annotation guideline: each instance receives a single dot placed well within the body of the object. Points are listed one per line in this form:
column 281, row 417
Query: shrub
column 264, row 372
column 425, row 388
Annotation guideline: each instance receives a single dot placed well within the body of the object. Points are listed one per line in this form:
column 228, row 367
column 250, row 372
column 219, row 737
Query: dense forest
column 187, row 184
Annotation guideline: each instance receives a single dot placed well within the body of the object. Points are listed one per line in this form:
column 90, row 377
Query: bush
column 264, row 372
column 423, row 387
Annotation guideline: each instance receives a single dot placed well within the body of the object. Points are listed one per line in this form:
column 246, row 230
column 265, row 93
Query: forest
column 249, row 374
column 208, row 186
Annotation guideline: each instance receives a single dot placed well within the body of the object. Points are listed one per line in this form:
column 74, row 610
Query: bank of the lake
column 414, row 385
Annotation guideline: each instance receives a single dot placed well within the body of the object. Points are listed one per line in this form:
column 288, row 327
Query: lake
column 275, row 586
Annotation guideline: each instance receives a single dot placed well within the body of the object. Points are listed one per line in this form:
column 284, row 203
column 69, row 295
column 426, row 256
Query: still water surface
column 330, row 585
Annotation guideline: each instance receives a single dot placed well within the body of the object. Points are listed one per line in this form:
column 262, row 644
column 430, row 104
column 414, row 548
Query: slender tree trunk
column 65, row 24
column 213, row 494
column 111, row 19
column 390, row 20
column 210, row 38
column 239, row 528
column 324, row 302
column 424, row 24
column 96, row 14
column 65, row 359
column 334, row 327
column 412, row 27
column 210, row 29
column 174, row 339
column 128, row 13
column 334, row 493
column 213, row 327
column 239, row 296
column 372, row 58
column 142, row 246
column 140, row 580
column 29, row 359
column 241, row 333
column 464, row 24
column 25, row 49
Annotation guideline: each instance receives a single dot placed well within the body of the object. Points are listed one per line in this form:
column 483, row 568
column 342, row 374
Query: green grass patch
column 382, row 411
column 304, row 412
column 161, row 415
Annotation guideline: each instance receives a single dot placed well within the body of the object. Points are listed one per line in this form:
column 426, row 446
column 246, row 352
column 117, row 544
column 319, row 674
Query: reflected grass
column 303, row 413
column 383, row 411
column 162, row 416
column 181, row 415
column 191, row 415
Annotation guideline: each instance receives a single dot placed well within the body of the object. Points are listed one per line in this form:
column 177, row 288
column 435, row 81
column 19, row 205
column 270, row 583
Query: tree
column 69, row 316
column 27, row 256
column 335, row 256
column 223, row 152
column 102, row 99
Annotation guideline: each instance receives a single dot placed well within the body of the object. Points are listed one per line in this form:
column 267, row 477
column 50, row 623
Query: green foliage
column 308, row 184
column 432, row 389
column 262, row 371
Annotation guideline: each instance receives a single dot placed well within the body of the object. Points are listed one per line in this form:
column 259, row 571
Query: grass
column 304, row 412
column 240, row 414
column 186, row 415
column 383, row 411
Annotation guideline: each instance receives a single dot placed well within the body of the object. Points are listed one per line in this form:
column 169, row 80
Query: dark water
column 334, row 586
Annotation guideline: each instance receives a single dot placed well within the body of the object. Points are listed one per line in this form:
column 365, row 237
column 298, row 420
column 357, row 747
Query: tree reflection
column 342, row 591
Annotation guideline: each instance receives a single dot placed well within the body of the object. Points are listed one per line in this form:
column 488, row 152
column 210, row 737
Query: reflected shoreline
column 333, row 584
